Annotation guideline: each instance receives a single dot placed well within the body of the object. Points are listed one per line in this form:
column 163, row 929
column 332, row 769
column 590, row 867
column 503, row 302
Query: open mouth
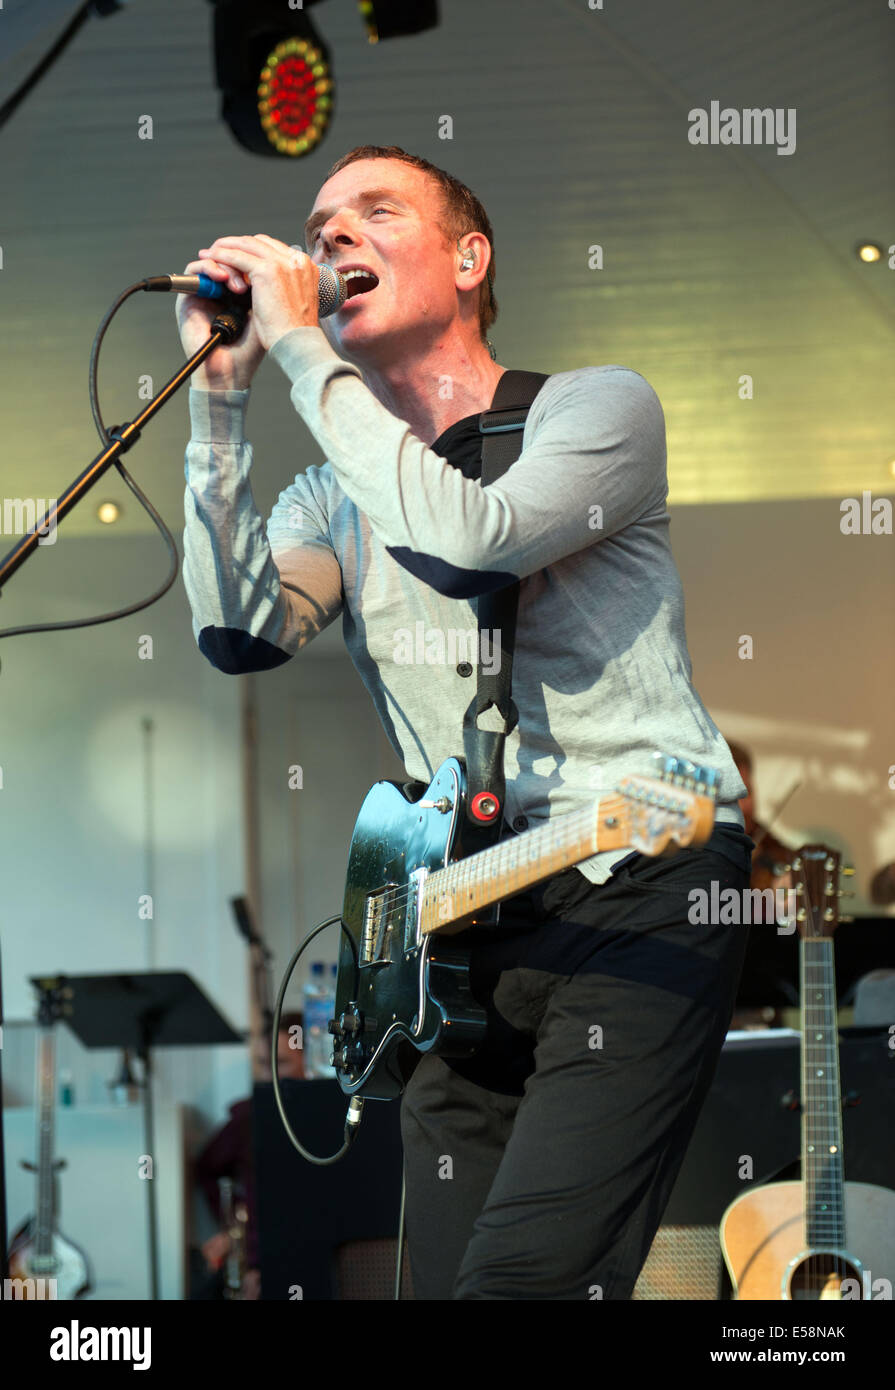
column 360, row 282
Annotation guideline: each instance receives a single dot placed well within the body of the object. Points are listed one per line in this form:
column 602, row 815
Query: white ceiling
column 571, row 125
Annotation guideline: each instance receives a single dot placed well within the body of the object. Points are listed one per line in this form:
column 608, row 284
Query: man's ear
column 474, row 254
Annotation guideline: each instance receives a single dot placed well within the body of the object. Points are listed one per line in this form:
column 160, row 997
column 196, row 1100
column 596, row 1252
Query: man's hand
column 283, row 281
column 217, row 1247
column 282, row 278
column 228, row 368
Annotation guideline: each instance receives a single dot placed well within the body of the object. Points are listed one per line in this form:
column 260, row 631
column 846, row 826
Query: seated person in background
column 770, row 859
column 882, row 886
column 228, row 1154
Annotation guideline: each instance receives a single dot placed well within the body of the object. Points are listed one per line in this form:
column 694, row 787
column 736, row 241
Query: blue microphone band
column 211, row 289
column 332, row 288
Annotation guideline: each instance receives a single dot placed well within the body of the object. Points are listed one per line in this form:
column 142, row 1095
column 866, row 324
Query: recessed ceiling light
column 868, row 252
column 108, row 512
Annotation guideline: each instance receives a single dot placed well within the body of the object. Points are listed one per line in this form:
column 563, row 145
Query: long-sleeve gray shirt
column 397, row 540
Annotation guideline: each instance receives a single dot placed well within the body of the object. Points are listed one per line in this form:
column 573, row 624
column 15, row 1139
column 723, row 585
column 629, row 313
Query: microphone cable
column 106, row 437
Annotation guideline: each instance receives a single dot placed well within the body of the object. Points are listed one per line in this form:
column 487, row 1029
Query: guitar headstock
column 816, row 871
column 53, row 999
column 674, row 809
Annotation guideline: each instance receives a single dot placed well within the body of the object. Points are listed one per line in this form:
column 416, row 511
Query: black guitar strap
column 501, row 428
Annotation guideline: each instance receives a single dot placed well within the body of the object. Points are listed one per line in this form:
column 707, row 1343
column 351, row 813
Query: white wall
column 74, row 847
column 815, row 701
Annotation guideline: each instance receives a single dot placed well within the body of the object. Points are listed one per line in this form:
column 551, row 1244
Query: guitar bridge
column 376, row 939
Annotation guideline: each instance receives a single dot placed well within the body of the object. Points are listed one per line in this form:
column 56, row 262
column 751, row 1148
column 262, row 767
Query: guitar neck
column 469, row 885
column 46, row 1112
column 822, row 1170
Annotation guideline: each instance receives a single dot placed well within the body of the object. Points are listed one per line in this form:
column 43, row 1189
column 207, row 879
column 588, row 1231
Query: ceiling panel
column 571, row 124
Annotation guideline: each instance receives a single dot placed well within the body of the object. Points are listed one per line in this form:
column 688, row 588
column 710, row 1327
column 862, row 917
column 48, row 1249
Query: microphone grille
column 331, row 291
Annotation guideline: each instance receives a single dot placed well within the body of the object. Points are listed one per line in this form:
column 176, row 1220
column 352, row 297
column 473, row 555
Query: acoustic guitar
column 822, row 1237
column 48, row 1264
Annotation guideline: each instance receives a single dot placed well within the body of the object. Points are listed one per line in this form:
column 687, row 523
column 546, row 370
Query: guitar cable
column 356, row 1104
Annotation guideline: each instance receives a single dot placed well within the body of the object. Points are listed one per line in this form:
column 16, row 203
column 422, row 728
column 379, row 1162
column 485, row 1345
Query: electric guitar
column 821, row 1238
column 412, row 883
column 50, row 1265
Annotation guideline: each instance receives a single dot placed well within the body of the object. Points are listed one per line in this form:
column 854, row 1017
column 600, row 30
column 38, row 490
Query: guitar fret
column 658, row 812
column 504, row 868
column 821, row 1114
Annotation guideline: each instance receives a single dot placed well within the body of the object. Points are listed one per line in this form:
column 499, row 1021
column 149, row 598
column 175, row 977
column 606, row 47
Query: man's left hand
column 283, row 281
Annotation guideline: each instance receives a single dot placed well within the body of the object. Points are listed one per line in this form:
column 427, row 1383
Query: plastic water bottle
column 319, row 1005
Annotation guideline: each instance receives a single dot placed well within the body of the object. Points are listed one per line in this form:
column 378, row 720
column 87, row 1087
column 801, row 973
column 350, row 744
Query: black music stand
column 157, row 1008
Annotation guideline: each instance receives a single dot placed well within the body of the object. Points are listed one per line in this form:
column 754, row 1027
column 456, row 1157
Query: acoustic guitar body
column 763, row 1242
column 63, row 1273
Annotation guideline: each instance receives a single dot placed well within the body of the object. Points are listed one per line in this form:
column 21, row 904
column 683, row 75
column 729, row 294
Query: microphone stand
column 226, row 327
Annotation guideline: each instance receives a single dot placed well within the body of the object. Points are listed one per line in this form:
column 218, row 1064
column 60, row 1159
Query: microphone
column 332, row 289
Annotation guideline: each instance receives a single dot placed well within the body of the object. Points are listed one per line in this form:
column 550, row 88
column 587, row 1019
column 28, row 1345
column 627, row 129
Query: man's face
column 290, row 1060
column 385, row 215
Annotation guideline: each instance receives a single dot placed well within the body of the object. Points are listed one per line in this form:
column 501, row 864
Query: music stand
column 156, row 1008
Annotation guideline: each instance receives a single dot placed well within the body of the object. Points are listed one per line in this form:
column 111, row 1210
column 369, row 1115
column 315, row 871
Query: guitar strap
column 501, row 429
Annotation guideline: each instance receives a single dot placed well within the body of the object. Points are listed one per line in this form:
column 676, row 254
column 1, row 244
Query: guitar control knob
column 349, row 1056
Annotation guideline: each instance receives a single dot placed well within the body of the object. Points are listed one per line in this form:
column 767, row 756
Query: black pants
column 540, row 1167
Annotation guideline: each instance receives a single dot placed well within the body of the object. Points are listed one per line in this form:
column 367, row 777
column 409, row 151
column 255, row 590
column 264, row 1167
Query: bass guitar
column 411, row 884
column 823, row 1237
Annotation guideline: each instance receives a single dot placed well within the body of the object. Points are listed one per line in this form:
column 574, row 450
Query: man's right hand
column 227, row 368
column 217, row 1247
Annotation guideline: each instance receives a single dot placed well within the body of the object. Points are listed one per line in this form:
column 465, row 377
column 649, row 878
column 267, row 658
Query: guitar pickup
column 413, row 909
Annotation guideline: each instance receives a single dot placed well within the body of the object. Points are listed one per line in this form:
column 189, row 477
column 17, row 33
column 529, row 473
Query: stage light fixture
column 387, row 19
column 294, row 96
column 274, row 74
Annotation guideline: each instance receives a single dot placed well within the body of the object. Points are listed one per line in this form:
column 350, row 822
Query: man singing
column 606, row 1007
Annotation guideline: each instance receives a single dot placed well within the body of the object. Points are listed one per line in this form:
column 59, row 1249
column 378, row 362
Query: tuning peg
column 848, row 871
column 829, row 863
column 686, row 773
column 801, row 915
column 846, row 919
column 666, row 765
column 706, row 781
column 844, row 893
column 796, row 863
